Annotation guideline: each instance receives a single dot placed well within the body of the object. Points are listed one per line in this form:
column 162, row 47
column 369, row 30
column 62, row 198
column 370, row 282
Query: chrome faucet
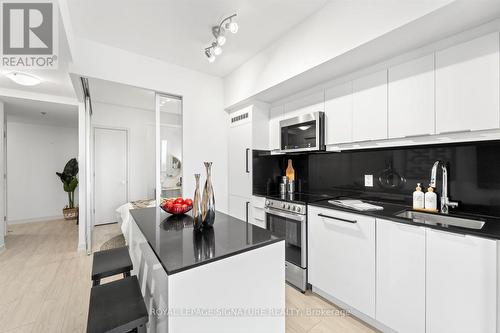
column 445, row 201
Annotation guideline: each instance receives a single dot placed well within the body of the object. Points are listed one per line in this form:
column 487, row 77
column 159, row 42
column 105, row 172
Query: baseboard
column 38, row 219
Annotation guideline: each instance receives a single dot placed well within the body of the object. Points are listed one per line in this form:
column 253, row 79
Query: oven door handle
column 295, row 217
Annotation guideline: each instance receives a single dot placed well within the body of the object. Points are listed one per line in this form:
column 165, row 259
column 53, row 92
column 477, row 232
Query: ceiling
column 54, row 81
column 178, row 31
column 30, row 111
column 108, row 92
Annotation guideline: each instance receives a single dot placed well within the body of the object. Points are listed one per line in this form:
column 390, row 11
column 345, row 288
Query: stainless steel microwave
column 303, row 133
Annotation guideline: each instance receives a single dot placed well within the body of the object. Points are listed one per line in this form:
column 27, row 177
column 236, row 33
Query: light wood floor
column 45, row 284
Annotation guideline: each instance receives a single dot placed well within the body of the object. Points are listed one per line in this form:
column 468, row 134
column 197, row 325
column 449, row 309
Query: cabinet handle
column 246, row 160
column 449, row 233
column 416, row 135
column 247, row 203
column 337, row 218
column 453, row 132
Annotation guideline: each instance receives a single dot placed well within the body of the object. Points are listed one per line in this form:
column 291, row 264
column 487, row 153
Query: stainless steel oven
column 289, row 221
column 303, row 133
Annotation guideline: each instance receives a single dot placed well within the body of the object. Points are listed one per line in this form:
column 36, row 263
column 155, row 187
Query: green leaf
column 73, row 184
column 71, row 167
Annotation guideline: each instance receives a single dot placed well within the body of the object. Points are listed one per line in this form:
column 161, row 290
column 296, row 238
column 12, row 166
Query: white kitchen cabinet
column 240, row 157
column 275, row 116
column 467, row 85
column 411, row 98
column 257, row 215
column 248, row 130
column 338, row 114
column 305, row 104
column 238, row 207
column 461, row 291
column 369, row 121
column 341, row 256
column 401, row 276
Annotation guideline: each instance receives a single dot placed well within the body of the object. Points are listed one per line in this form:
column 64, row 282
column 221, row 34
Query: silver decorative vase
column 208, row 200
column 196, row 212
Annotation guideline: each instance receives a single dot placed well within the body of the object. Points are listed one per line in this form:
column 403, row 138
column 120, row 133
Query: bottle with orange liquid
column 290, row 172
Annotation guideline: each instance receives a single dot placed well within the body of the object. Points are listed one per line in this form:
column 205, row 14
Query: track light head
column 232, row 26
column 209, row 55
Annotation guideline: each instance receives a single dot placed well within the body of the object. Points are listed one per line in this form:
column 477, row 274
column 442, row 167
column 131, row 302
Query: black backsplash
column 473, row 173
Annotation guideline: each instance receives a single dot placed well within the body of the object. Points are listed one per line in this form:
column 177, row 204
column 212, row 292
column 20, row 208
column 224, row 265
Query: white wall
column 334, row 30
column 34, row 154
column 205, row 123
column 2, row 182
column 141, row 130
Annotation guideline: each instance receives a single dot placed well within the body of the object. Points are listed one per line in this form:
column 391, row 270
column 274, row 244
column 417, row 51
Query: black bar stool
column 117, row 306
column 111, row 262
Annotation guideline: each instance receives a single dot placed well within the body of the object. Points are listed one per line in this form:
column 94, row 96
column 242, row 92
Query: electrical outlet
column 369, row 180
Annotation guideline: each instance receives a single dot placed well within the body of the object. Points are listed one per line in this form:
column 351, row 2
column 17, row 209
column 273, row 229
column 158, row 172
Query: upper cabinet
column 338, row 114
column 305, row 104
column 369, row 118
column 411, row 98
column 456, row 89
column 467, row 85
column 240, row 153
column 275, row 116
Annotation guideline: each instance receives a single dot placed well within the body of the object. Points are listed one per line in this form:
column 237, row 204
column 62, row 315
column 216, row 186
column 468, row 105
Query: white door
column 338, row 114
column 411, row 98
column 369, row 118
column 110, row 168
column 238, row 207
column 467, row 85
column 401, row 276
column 341, row 256
column 240, row 160
column 461, row 293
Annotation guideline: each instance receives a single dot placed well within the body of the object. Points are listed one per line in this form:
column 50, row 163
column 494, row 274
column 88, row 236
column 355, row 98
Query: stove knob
column 284, row 206
column 294, row 208
column 298, row 209
column 268, row 203
column 288, row 207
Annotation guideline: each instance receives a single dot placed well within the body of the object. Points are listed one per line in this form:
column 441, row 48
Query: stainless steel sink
column 441, row 220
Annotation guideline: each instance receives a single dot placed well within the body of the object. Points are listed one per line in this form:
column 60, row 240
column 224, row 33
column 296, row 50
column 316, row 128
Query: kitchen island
column 228, row 278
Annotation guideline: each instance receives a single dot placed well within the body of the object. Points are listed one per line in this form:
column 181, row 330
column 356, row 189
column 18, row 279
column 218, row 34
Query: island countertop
column 179, row 247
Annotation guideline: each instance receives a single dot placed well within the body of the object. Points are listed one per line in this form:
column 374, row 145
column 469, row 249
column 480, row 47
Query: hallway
column 41, row 278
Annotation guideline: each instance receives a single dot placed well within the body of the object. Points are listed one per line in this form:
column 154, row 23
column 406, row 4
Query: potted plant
column 70, row 183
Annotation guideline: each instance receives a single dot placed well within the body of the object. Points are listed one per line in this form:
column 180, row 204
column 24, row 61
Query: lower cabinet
column 239, row 207
column 341, row 257
column 401, row 276
column 248, row 209
column 461, row 283
column 409, row 278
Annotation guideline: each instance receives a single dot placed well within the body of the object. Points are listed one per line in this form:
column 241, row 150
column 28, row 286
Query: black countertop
column 491, row 228
column 178, row 247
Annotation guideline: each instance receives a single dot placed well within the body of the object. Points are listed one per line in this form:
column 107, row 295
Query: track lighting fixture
column 219, row 33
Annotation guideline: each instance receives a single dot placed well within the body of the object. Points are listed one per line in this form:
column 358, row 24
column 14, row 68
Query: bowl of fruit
column 177, row 206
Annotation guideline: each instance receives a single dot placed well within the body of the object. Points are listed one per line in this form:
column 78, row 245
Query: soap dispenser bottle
column 418, row 198
column 430, row 199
